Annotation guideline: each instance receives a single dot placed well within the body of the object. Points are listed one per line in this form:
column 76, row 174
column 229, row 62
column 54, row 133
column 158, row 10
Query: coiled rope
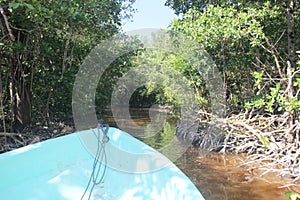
column 97, row 177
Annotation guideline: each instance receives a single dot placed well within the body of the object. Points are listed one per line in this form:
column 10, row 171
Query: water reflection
column 216, row 175
column 141, row 123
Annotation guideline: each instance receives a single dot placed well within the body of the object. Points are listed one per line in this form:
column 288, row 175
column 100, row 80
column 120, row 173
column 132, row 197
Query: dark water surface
column 216, row 175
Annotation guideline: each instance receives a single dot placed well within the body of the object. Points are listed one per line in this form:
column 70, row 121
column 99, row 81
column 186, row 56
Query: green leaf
column 29, row 6
column 14, row 5
column 292, row 195
column 265, row 141
column 289, row 193
column 248, row 105
column 297, row 82
column 259, row 103
column 277, row 86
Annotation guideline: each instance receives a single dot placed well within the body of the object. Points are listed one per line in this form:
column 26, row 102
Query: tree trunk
column 291, row 61
column 2, row 109
column 22, row 108
column 20, row 98
column 291, row 32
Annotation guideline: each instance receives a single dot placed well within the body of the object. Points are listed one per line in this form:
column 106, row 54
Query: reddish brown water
column 216, row 175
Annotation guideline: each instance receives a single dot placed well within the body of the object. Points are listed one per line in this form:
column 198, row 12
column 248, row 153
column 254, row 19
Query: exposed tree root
column 11, row 141
column 267, row 140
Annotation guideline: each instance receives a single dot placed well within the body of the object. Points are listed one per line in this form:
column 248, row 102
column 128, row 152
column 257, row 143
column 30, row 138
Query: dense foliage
column 254, row 44
column 42, row 44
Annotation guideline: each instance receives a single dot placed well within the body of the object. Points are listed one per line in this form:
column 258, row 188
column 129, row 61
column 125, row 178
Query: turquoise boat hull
column 60, row 168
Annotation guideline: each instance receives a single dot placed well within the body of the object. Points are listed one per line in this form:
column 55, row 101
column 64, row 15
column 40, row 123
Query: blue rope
column 100, row 155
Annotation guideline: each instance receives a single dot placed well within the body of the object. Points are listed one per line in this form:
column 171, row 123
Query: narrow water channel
column 216, row 175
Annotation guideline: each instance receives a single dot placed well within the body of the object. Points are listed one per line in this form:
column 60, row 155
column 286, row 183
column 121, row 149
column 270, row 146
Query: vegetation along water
column 254, row 46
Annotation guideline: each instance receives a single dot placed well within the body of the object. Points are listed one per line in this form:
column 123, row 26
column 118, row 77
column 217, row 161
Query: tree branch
column 12, row 37
column 275, row 57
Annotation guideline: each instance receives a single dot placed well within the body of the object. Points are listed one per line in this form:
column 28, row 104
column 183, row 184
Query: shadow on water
column 216, row 175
